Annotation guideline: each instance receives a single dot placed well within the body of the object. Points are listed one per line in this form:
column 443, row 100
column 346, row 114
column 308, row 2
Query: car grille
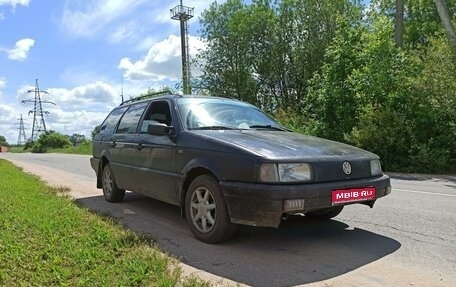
column 332, row 171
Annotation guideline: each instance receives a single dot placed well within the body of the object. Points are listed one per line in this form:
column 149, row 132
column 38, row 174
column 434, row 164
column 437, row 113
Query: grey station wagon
column 225, row 162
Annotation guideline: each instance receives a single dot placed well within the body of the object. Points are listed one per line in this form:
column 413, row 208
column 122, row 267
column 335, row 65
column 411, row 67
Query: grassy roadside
column 17, row 149
column 47, row 240
column 85, row 148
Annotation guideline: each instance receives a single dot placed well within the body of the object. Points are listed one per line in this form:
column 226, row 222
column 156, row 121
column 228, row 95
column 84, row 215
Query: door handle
column 112, row 144
column 139, row 146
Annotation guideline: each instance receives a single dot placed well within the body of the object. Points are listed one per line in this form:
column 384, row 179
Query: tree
column 266, row 52
column 226, row 63
column 399, row 104
column 444, row 14
column 333, row 69
column 95, row 130
column 50, row 139
column 333, row 105
column 421, row 18
column 399, row 24
column 77, row 139
column 3, row 141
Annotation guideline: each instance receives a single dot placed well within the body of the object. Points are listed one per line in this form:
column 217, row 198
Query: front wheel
column 324, row 214
column 111, row 191
column 206, row 211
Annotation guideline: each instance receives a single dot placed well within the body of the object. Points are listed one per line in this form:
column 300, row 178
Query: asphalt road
column 407, row 239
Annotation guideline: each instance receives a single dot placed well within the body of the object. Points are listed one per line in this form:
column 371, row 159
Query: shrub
column 50, row 139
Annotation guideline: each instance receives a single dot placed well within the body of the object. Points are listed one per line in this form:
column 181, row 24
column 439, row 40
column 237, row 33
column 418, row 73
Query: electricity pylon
column 38, row 114
column 22, row 138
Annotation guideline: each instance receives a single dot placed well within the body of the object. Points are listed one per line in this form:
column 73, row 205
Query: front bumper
column 262, row 204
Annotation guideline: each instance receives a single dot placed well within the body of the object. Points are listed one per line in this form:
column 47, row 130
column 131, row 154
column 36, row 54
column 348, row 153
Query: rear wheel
column 326, row 213
column 111, row 191
column 206, row 211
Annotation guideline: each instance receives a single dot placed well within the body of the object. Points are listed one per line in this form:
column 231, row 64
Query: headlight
column 376, row 168
column 285, row 172
column 269, row 173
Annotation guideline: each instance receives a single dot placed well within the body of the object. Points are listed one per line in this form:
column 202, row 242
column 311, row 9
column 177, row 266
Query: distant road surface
column 407, row 239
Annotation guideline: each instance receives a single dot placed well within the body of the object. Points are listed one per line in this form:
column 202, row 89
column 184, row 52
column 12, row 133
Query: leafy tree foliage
column 50, row 139
column 422, row 21
column 95, row 130
column 3, row 141
column 77, row 139
column 332, row 69
column 266, row 52
column 395, row 102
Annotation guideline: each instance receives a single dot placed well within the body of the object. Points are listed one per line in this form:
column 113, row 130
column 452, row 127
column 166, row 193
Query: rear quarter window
column 129, row 122
column 110, row 123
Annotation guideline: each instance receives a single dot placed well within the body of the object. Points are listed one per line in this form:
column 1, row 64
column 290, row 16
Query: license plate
column 352, row 195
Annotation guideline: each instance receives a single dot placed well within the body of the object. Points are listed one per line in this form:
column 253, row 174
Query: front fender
column 202, row 163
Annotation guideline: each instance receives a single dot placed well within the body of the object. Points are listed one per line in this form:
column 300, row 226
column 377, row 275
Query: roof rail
column 148, row 95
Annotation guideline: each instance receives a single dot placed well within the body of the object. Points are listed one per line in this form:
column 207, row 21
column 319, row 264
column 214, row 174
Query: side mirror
column 159, row 129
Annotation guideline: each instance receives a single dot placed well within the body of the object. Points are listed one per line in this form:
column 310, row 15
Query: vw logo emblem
column 346, row 167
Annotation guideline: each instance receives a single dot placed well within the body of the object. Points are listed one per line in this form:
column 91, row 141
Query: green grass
column 47, row 240
column 17, row 149
column 85, row 148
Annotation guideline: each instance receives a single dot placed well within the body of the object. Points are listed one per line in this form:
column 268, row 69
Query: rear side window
column 110, row 123
column 129, row 122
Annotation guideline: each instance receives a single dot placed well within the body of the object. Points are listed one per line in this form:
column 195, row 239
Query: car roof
column 162, row 96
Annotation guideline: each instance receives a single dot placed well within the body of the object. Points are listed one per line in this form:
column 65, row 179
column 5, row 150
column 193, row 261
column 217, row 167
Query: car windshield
column 223, row 114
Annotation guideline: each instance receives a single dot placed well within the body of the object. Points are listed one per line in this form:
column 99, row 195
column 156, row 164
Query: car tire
column 111, row 191
column 206, row 211
column 325, row 214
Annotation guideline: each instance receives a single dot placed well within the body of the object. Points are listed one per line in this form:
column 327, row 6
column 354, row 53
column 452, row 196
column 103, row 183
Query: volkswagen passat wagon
column 225, row 163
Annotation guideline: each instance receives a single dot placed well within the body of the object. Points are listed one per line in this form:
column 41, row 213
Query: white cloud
column 9, row 116
column 2, row 85
column 76, row 122
column 96, row 16
column 162, row 62
column 6, row 113
column 21, row 49
column 80, row 109
column 98, row 96
column 14, row 3
column 125, row 31
column 2, row 82
column 127, row 21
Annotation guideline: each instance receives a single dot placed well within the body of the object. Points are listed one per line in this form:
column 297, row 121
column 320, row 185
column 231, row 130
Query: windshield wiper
column 267, row 127
column 213, row 128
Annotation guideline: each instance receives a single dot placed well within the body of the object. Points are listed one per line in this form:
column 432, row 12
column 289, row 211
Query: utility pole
column 38, row 114
column 22, row 138
column 183, row 14
column 121, row 89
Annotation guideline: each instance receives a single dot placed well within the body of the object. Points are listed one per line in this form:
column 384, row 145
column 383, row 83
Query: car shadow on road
column 300, row 251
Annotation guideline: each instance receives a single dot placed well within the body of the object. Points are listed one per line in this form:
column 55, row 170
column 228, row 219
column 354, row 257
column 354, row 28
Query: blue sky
column 81, row 51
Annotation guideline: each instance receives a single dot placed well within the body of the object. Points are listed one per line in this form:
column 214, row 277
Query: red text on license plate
column 353, row 194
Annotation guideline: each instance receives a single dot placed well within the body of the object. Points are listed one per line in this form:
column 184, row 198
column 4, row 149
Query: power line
column 39, row 124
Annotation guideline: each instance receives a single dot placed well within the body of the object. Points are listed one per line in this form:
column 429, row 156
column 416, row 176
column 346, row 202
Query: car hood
column 277, row 145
